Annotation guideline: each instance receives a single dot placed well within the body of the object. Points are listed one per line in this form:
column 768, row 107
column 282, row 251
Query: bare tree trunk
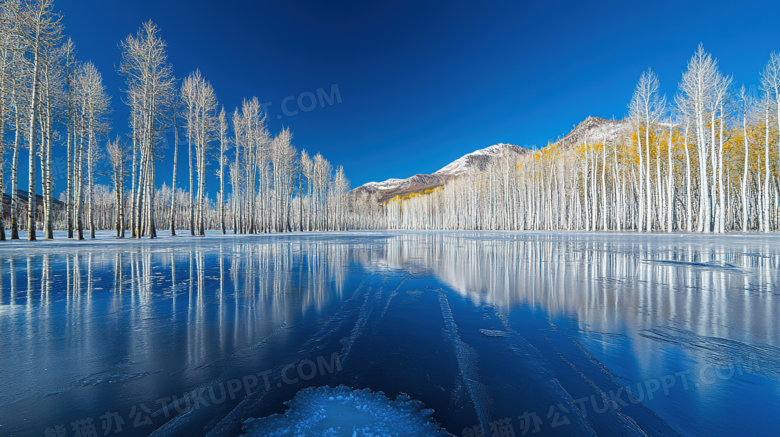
column 670, row 184
column 604, row 188
column 15, row 173
column 133, row 207
column 80, row 185
column 745, row 172
column 152, row 195
column 222, row 147
column 91, row 165
column 139, row 231
column 703, row 219
column 640, row 226
column 648, row 186
column 765, row 196
column 71, row 134
column 118, row 189
column 175, row 166
column 33, row 142
column 688, row 196
column 721, row 224
column 3, row 85
column 192, row 179
column 47, row 181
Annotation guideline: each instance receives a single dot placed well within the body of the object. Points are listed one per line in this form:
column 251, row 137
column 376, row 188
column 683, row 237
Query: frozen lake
column 559, row 333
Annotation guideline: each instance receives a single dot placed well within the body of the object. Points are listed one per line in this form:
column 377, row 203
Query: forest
column 49, row 98
column 704, row 161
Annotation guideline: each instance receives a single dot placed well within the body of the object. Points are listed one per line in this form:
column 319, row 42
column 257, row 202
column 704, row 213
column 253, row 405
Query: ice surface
column 343, row 412
column 479, row 326
column 761, row 358
column 467, row 363
column 718, row 265
column 357, row 330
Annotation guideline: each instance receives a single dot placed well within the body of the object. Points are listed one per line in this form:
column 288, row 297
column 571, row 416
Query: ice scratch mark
column 357, row 290
column 556, row 387
column 393, row 294
column 630, row 426
column 230, row 424
column 761, row 358
column 604, row 397
column 279, row 329
column 626, row 425
column 467, row 364
column 357, row 330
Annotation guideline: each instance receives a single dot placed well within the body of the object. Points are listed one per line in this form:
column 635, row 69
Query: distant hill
column 592, row 129
column 474, row 161
column 24, row 197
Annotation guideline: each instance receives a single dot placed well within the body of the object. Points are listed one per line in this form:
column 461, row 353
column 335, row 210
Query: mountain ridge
column 477, row 159
column 592, row 129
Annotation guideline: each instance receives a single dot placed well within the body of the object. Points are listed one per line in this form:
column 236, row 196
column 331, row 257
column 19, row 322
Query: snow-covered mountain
column 394, row 187
column 592, row 129
column 474, row 161
column 478, row 158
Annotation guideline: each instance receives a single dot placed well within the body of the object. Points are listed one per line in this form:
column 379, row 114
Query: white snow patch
column 389, row 184
column 461, row 165
column 341, row 411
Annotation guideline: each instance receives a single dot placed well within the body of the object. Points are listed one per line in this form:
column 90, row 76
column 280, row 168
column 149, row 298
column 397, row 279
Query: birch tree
column 174, row 114
column 95, row 107
column 201, row 102
column 71, row 66
column 770, row 83
column 118, row 156
column 9, row 54
column 696, row 87
column 223, row 149
column 647, row 106
column 39, row 27
column 149, row 80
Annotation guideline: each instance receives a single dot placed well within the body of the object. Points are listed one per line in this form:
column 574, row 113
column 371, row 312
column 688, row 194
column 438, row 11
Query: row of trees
column 361, row 212
column 46, row 90
column 707, row 162
column 43, row 89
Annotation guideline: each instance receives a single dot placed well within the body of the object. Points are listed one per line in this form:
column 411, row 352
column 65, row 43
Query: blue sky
column 423, row 83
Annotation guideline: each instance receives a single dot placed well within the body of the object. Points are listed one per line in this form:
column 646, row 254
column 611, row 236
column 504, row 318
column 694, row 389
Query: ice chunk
column 492, row 333
column 718, row 265
column 342, row 411
column 415, row 292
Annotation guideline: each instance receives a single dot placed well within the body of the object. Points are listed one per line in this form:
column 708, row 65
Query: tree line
column 48, row 96
column 705, row 161
column 702, row 161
